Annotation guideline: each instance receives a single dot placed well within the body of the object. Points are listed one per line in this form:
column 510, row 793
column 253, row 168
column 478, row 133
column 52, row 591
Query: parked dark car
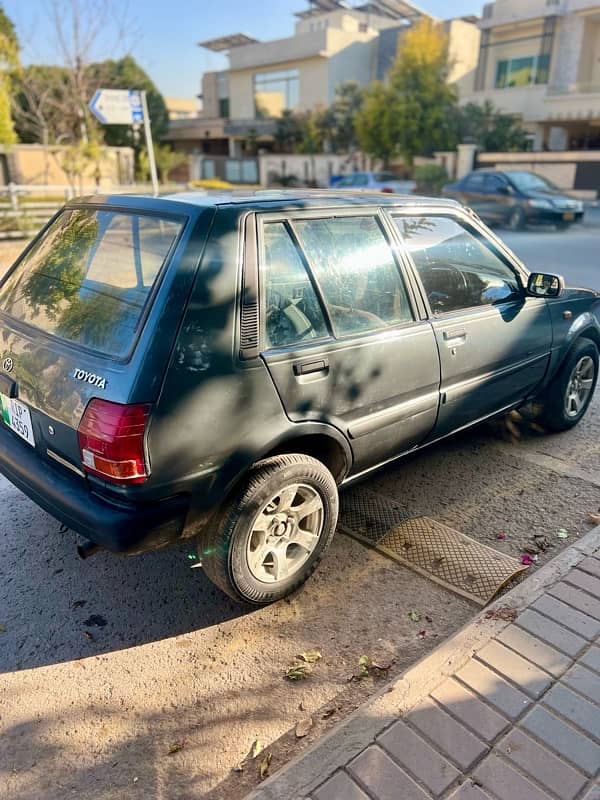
column 217, row 367
column 515, row 198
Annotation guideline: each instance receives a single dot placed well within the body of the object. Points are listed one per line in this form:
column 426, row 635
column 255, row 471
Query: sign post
column 126, row 107
column 149, row 144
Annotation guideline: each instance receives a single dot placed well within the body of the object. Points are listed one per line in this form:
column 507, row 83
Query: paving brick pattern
column 519, row 721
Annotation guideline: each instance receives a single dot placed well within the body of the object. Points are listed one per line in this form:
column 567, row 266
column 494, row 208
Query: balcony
column 573, row 88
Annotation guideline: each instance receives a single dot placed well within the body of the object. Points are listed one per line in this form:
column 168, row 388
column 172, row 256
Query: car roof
column 271, row 200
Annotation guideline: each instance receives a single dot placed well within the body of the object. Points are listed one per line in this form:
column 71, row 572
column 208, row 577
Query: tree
column 40, row 106
column 337, row 122
column 415, row 113
column 374, row 123
column 490, row 128
column 167, row 160
column 9, row 63
column 423, row 102
column 288, row 132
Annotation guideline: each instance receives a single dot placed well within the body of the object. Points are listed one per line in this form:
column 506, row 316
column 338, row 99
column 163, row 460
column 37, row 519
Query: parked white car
column 374, row 181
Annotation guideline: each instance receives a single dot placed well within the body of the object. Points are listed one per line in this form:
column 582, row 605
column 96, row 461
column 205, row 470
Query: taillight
column 387, row 190
column 111, row 441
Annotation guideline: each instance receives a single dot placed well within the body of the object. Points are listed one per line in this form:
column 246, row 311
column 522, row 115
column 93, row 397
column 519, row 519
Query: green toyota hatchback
column 217, row 367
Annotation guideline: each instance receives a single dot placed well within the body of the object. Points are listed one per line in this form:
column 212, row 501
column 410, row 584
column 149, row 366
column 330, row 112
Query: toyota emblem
column 8, row 364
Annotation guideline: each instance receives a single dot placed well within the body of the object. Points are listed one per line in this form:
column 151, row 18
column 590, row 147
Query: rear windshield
column 88, row 278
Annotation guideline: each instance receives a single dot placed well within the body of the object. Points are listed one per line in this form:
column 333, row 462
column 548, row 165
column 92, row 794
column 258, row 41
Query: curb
column 309, row 769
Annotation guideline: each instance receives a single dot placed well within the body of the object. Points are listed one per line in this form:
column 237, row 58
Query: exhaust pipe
column 87, row 548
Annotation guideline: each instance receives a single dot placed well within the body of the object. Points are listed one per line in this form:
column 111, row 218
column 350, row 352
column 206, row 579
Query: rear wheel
column 516, row 219
column 568, row 397
column 273, row 534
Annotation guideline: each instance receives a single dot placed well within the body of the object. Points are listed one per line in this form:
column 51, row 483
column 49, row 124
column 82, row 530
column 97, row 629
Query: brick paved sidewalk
column 519, row 719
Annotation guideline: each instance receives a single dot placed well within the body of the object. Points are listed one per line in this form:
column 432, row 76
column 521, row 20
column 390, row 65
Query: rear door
column 494, row 340
column 343, row 336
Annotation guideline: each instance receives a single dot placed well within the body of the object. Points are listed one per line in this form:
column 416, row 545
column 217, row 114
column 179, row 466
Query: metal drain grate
column 442, row 554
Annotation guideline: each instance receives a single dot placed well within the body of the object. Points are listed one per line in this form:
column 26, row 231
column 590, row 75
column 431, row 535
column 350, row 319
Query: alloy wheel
column 284, row 533
column 579, row 386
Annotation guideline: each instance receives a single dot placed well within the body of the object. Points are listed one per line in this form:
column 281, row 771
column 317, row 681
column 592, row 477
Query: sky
column 163, row 35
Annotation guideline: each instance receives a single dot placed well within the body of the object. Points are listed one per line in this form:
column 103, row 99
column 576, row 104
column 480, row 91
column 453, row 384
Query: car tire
column 516, row 219
column 563, row 226
column 261, row 548
column 560, row 410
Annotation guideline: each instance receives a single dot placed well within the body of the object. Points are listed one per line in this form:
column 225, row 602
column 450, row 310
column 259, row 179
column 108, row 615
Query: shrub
column 430, row 178
column 212, row 183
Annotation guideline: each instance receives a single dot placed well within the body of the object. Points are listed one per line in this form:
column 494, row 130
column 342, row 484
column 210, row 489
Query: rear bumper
column 121, row 528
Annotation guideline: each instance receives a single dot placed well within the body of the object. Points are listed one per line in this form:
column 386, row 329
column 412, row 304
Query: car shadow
column 56, row 607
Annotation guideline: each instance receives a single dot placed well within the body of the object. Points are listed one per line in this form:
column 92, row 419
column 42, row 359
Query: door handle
column 307, row 367
column 455, row 337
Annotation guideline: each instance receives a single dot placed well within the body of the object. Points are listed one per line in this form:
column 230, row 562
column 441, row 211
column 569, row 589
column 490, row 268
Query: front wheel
column 272, row 535
column 517, row 219
column 568, row 397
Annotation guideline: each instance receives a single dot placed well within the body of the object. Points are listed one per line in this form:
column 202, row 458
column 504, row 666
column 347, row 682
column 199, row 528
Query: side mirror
column 505, row 189
column 542, row 284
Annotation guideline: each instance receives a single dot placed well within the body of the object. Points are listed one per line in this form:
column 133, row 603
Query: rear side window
column 89, row 277
column 293, row 313
column 356, row 270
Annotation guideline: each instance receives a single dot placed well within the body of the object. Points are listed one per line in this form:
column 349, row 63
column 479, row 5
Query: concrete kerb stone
column 318, row 762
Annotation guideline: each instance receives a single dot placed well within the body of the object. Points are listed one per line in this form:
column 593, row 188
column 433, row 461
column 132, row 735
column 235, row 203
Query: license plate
column 16, row 415
column 569, row 216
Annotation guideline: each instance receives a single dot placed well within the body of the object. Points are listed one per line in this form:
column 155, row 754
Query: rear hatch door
column 71, row 312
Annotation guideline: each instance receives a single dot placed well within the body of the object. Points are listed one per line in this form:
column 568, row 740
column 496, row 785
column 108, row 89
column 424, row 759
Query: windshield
column 528, row 182
column 88, row 278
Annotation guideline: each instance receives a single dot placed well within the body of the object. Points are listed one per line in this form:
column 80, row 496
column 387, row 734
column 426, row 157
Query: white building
column 540, row 60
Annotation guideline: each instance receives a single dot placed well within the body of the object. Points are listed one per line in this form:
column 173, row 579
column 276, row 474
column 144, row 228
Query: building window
column 274, row 92
column 224, row 107
column 522, row 71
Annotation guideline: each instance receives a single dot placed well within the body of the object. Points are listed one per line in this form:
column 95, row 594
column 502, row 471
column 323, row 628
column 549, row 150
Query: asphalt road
column 108, row 665
column 574, row 253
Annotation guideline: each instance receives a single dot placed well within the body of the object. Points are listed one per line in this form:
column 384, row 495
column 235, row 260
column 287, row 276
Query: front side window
column 457, row 268
column 276, row 92
column 88, row 278
column 293, row 313
column 356, row 270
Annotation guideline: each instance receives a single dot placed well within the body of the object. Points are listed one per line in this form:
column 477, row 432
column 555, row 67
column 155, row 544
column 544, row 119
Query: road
column 108, row 665
column 574, row 253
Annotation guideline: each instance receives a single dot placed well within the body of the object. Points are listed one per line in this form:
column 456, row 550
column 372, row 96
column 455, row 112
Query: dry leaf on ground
column 175, row 747
column 297, row 672
column 310, row 656
column 263, row 767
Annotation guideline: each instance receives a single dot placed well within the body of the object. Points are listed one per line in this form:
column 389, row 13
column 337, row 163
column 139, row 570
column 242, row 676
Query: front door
column 494, row 341
column 342, row 337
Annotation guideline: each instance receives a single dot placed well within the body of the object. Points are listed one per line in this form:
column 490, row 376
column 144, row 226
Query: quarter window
column 457, row 268
column 357, row 273
column 293, row 313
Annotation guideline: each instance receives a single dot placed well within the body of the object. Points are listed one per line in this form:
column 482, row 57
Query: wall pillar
column 465, row 161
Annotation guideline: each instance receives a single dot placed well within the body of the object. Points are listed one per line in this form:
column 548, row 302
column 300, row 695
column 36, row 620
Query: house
column 333, row 41
column 540, row 60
